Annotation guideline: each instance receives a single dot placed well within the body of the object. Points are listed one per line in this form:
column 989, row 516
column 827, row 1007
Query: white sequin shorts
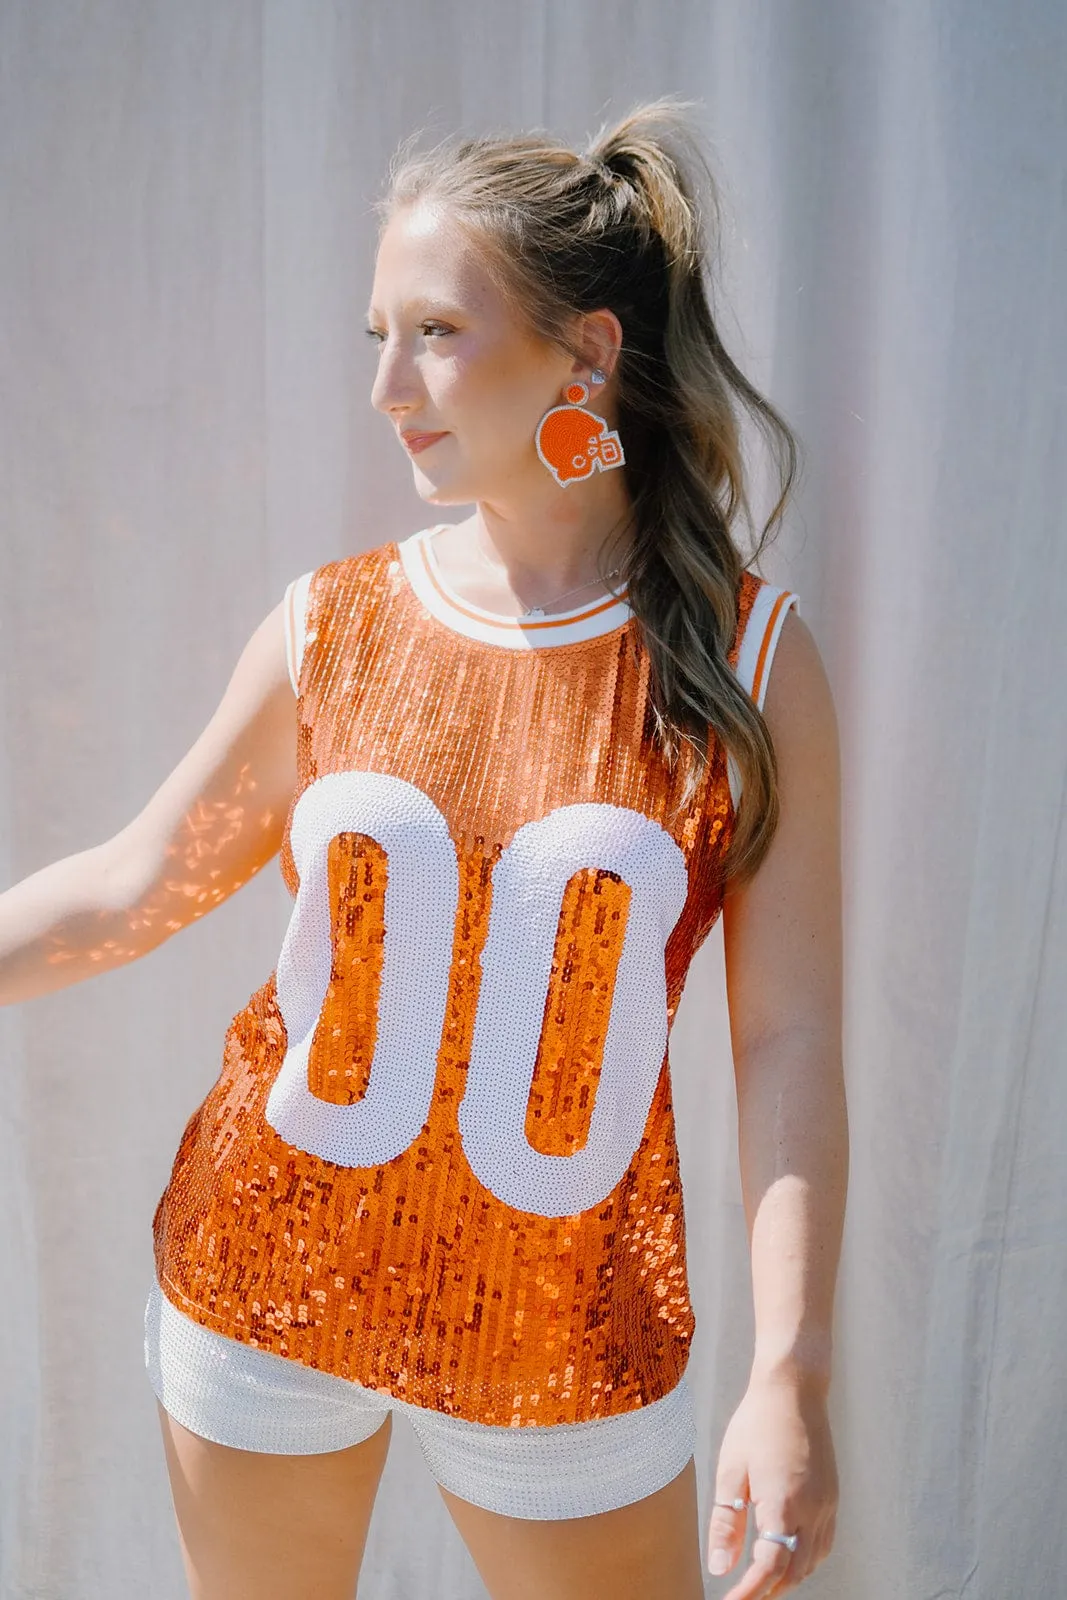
column 234, row 1394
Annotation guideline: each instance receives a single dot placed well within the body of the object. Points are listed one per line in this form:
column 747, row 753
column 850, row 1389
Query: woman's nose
column 396, row 382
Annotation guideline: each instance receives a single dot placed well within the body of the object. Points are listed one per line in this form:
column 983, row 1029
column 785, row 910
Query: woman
column 514, row 767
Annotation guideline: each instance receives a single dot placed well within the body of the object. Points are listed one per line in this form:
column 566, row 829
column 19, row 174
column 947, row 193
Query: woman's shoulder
column 762, row 610
column 772, row 633
column 320, row 585
column 797, row 695
column 342, row 585
column 352, row 566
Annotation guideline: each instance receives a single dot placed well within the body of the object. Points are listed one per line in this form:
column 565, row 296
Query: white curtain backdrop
column 185, row 256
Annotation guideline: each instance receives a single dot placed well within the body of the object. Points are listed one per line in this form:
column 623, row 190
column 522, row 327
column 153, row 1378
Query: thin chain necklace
column 539, row 611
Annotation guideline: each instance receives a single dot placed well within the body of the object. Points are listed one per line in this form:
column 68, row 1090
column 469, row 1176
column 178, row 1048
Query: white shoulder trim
column 296, row 595
column 760, row 640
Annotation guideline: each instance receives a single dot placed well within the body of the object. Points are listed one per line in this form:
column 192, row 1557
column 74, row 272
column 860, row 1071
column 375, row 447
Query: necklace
column 539, row 611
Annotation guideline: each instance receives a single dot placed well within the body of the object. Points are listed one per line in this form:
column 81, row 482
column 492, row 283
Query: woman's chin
column 442, row 494
column 444, row 500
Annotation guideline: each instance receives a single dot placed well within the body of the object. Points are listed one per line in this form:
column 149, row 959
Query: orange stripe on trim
column 516, row 622
column 783, row 599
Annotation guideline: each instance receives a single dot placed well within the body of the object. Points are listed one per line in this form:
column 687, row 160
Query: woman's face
column 452, row 359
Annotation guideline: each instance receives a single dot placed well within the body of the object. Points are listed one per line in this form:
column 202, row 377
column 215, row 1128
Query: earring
column 574, row 443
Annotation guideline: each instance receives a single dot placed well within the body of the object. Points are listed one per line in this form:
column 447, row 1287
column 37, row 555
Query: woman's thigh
column 255, row 1526
column 649, row 1550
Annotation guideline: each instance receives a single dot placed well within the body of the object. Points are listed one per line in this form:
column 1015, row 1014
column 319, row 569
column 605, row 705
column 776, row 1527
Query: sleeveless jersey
column 440, row 1155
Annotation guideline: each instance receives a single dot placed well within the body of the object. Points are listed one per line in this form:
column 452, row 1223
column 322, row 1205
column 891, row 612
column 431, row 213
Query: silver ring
column 732, row 1505
column 788, row 1539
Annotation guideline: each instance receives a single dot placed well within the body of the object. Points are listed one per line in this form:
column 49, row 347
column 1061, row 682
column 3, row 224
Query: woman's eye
column 373, row 333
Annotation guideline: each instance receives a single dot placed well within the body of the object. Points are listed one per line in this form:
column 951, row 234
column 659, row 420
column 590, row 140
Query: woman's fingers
column 726, row 1529
column 768, row 1566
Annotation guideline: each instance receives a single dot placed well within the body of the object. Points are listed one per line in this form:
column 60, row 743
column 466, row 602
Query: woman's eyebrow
column 424, row 303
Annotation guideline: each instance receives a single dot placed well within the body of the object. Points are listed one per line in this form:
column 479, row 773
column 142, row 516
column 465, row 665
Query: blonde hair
column 621, row 225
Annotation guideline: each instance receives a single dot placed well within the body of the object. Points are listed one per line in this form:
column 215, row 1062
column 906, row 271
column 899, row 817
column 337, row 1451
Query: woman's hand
column 777, row 1456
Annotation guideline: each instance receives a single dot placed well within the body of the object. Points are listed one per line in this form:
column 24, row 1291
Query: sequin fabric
column 251, row 1399
column 440, row 1155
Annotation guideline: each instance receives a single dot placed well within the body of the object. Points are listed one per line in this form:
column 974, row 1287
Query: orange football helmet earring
column 574, row 443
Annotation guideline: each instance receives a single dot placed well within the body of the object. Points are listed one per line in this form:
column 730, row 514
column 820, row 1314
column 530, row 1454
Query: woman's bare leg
column 646, row 1551
column 271, row 1527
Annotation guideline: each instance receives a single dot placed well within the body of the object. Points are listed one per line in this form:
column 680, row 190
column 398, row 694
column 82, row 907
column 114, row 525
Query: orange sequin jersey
column 440, row 1155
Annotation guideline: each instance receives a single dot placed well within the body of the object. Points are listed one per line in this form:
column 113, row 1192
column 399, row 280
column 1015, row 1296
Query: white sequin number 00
column 421, row 904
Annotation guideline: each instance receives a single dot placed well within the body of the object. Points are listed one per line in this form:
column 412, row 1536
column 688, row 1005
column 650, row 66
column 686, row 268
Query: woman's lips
column 421, row 441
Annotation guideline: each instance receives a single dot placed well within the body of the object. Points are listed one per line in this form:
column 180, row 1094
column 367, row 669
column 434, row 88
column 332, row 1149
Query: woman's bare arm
column 211, row 826
column 783, row 977
column 782, row 936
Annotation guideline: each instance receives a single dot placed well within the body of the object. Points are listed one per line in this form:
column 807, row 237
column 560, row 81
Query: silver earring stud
column 596, row 376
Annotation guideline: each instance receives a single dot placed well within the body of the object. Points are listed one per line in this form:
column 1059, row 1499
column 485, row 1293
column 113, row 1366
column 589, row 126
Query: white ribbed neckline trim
column 489, row 627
